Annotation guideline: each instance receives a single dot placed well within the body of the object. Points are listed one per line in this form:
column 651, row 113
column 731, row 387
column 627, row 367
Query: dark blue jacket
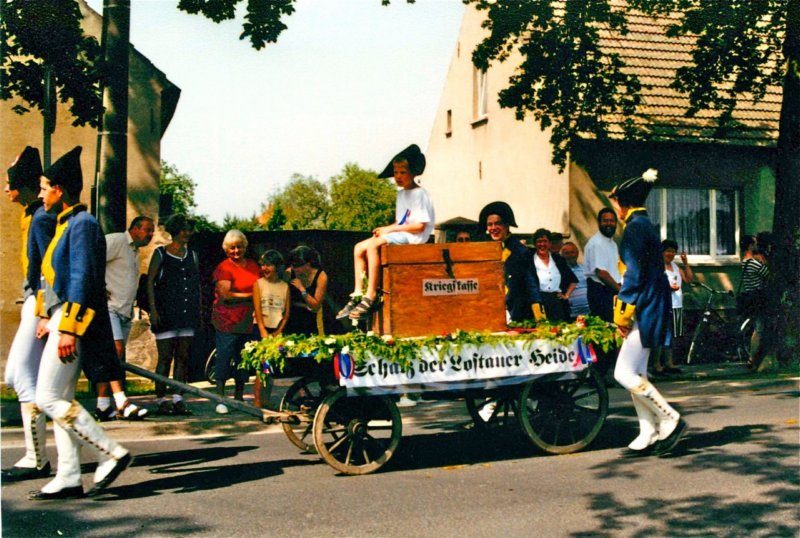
column 74, row 276
column 644, row 283
column 522, row 284
column 40, row 233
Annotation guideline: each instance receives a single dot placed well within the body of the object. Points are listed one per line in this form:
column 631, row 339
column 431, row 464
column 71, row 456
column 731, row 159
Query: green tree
column 180, row 189
column 360, row 201
column 245, row 224
column 305, row 202
column 277, row 218
column 45, row 34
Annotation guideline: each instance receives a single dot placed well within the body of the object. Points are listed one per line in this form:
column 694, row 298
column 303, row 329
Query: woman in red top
column 232, row 315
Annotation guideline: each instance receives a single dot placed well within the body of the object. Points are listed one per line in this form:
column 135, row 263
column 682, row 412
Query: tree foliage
column 360, row 200
column 180, row 189
column 263, row 19
column 45, row 34
column 354, row 200
column 244, row 224
column 306, row 203
column 565, row 80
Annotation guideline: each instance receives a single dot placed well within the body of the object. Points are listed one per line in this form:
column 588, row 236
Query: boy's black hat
column 633, row 192
column 66, row 172
column 413, row 155
column 26, row 170
column 502, row 209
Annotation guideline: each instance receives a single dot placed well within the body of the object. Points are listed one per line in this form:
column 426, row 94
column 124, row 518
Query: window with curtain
column 704, row 222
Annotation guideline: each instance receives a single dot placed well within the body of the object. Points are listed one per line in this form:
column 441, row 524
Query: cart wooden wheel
column 359, row 434
column 564, row 416
column 496, row 408
column 303, row 398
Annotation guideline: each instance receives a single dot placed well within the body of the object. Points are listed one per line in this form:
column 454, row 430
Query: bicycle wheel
column 211, row 361
column 745, row 336
column 700, row 331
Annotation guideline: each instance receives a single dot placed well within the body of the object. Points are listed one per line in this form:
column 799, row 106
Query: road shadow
column 23, row 519
column 187, row 471
column 772, row 464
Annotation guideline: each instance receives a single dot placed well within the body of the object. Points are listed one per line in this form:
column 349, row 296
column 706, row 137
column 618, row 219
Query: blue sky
column 349, row 81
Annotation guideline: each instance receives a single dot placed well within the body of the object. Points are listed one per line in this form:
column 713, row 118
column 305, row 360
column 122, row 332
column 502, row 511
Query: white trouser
column 25, row 353
column 653, row 411
column 55, row 392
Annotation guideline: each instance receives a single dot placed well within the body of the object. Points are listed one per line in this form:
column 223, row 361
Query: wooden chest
column 435, row 288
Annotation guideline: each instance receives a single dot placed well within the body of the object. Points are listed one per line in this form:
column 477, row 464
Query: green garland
column 274, row 350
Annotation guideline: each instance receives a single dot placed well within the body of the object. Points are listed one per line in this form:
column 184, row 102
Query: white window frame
column 712, row 208
column 480, row 93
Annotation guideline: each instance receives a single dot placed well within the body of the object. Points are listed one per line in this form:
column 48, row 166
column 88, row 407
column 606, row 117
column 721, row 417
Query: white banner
column 472, row 363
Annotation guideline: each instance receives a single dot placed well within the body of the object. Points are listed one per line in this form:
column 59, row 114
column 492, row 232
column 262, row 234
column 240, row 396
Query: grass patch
column 134, row 387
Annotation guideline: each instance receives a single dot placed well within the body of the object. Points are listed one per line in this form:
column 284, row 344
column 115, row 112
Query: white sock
column 119, row 399
column 103, row 402
column 177, row 398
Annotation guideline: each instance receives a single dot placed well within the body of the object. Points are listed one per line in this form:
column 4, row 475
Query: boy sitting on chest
column 414, row 221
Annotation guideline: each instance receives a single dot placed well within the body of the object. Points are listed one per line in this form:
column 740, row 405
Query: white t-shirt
column 414, row 206
column 122, row 272
column 273, row 301
column 601, row 252
column 549, row 275
column 674, row 278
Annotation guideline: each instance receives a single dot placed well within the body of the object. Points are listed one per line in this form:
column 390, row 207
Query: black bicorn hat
column 633, row 192
column 66, row 171
column 502, row 209
column 26, row 170
column 413, row 155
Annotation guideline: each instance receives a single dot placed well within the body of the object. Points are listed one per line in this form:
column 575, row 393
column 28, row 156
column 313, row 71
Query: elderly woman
column 556, row 279
column 173, row 291
column 232, row 315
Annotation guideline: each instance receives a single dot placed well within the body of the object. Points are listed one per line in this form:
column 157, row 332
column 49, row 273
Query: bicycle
column 716, row 336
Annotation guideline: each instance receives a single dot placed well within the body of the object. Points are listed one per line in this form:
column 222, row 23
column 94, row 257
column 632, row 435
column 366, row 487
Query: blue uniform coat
column 73, row 276
column 40, row 233
column 522, row 284
column 644, row 283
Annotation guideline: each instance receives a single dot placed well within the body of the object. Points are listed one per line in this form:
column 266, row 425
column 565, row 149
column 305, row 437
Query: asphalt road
column 736, row 474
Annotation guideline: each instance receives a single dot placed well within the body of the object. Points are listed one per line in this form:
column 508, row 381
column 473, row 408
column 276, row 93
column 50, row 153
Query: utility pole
column 112, row 174
column 49, row 113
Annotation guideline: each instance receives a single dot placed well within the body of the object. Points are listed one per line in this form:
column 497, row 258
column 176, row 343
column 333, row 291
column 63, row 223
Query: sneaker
column 130, row 411
column 221, row 409
column 405, row 401
column 104, row 415
column 351, row 304
column 487, row 411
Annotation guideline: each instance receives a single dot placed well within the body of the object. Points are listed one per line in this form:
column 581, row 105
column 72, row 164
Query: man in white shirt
column 600, row 265
column 578, row 300
column 122, row 279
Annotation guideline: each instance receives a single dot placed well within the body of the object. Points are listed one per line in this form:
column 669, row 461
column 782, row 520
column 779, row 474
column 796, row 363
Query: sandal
column 130, row 411
column 363, row 308
column 349, row 307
